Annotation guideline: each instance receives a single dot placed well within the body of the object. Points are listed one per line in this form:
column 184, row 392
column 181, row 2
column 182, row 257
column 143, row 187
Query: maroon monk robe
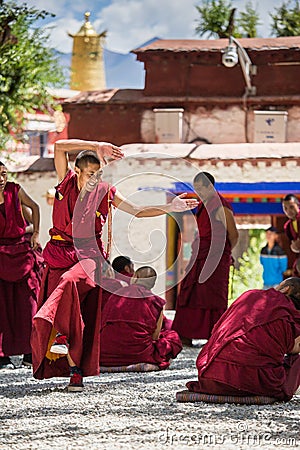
column 166, row 324
column 109, row 286
column 200, row 305
column 129, row 320
column 123, row 276
column 19, row 277
column 73, row 309
column 60, row 253
column 293, row 235
column 245, row 354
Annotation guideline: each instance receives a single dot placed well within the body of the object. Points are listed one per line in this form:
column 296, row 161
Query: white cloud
column 59, row 38
column 130, row 23
column 56, row 8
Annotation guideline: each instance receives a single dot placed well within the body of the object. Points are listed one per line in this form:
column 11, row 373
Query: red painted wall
column 119, row 124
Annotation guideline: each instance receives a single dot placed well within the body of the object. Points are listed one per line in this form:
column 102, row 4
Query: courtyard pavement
column 135, row 411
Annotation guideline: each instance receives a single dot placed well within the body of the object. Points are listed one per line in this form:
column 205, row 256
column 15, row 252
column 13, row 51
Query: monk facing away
column 131, row 330
column 254, row 347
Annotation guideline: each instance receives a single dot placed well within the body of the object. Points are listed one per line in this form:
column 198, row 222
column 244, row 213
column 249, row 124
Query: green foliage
column 214, row 18
column 28, row 67
column 249, row 273
column 286, row 20
column 217, row 18
column 248, row 21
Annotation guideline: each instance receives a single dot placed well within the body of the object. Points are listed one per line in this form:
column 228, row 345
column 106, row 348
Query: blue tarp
column 272, row 206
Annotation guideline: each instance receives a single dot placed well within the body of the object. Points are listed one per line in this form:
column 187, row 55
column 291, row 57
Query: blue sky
column 130, row 23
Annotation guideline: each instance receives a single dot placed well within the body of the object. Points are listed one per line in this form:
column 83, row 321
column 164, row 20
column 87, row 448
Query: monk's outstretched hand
column 106, row 149
column 180, row 203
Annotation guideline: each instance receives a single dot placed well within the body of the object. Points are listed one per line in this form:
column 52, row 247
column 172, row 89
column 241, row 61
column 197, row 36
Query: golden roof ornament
column 87, row 66
column 87, row 28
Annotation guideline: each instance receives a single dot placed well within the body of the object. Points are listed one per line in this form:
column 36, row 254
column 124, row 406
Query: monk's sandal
column 76, row 380
column 60, row 345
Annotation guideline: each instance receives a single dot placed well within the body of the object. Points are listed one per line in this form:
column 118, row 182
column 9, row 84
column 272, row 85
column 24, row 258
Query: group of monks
column 69, row 312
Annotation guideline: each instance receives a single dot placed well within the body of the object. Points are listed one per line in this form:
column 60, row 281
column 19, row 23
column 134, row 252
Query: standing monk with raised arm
column 65, row 279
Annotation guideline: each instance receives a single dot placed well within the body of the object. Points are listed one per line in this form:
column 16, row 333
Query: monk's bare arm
column 27, row 213
column 224, row 213
column 296, row 348
column 232, row 231
column 26, row 200
column 157, row 331
column 178, row 204
column 65, row 146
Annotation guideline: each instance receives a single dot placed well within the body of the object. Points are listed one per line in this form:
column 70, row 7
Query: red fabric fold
column 128, row 322
column 248, row 345
column 73, row 309
column 20, row 274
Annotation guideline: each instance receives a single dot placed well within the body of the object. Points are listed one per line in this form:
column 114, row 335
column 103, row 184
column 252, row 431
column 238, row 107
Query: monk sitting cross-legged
column 131, row 326
column 254, row 347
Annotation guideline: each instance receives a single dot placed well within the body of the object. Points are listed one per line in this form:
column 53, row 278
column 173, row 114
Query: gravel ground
column 135, row 411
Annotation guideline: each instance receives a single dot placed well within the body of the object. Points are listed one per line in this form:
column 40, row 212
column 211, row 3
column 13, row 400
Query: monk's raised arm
column 65, row 146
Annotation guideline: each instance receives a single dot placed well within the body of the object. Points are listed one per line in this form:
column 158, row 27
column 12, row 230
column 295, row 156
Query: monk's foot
column 186, row 342
column 76, row 380
column 6, row 363
column 199, row 343
column 27, row 360
column 60, row 345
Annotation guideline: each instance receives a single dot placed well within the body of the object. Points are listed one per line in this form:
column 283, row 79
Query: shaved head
column 145, row 276
column 291, row 287
column 86, row 157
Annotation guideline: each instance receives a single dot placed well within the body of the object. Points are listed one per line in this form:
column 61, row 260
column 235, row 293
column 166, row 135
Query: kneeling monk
column 254, row 347
column 131, row 326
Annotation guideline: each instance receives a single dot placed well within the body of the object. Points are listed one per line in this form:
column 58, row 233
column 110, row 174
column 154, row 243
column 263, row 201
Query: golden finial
column 87, row 67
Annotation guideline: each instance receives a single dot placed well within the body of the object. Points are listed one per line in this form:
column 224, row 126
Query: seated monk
column 254, row 347
column 110, row 285
column 131, row 326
